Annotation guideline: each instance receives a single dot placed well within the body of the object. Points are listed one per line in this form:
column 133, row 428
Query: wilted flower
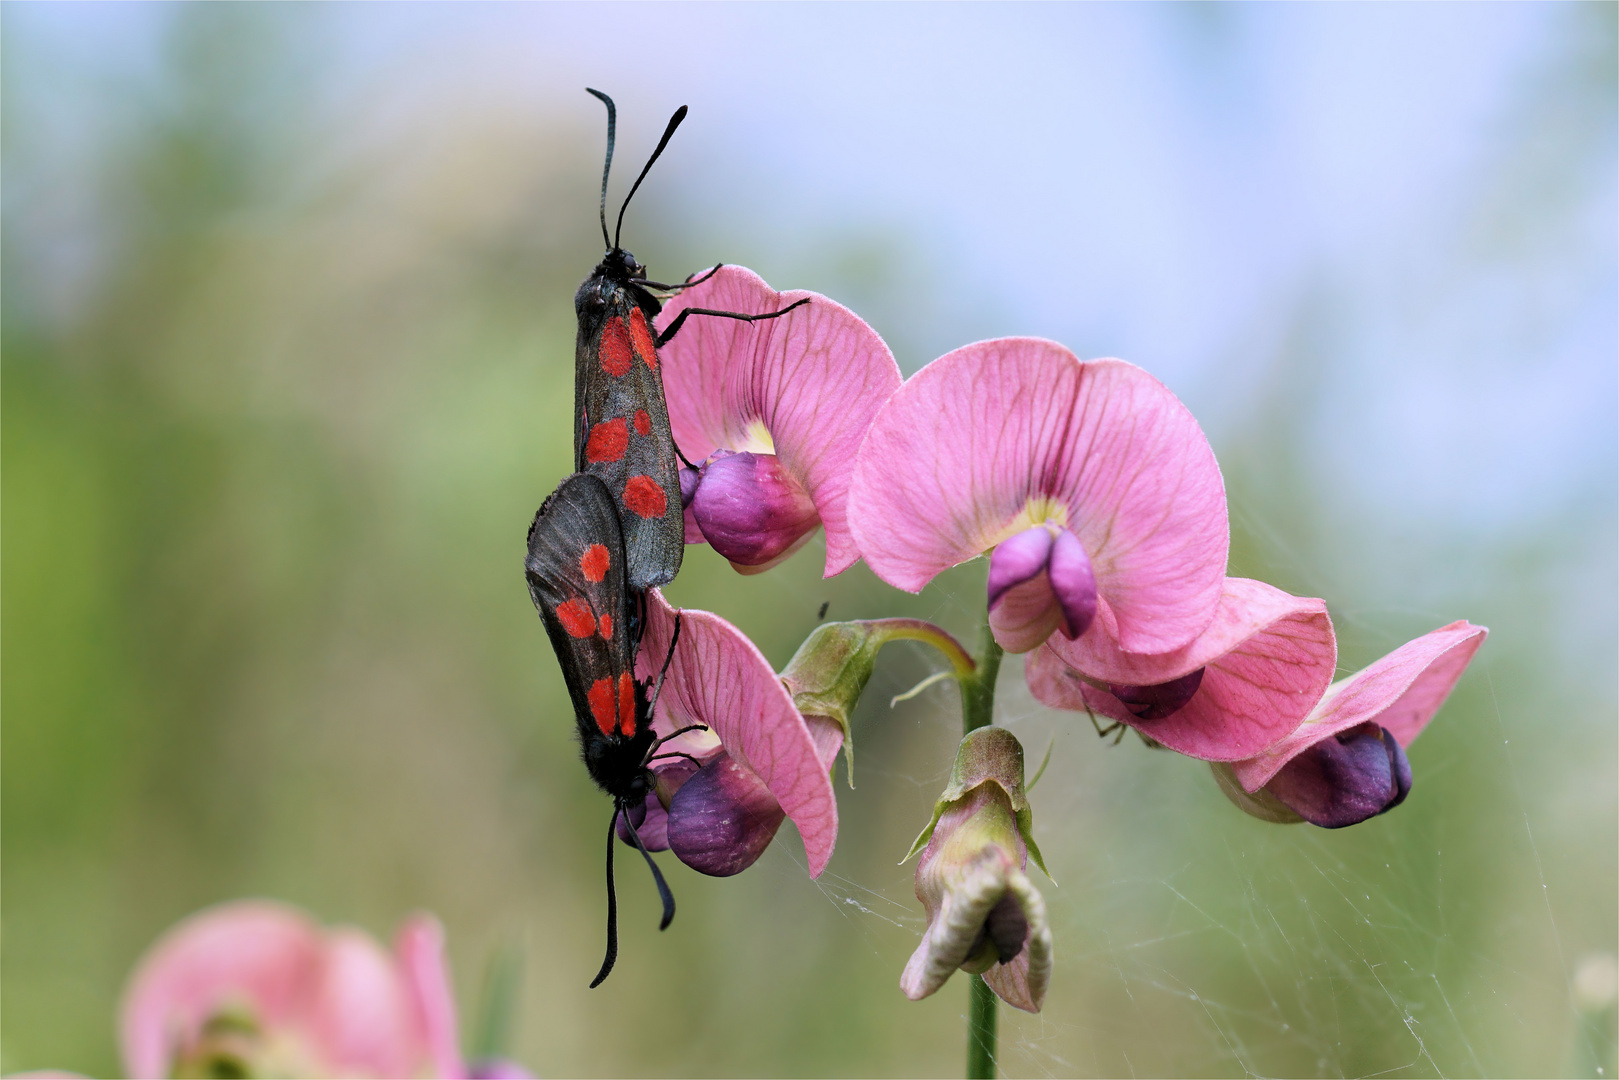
column 1092, row 486
column 773, row 413
column 1346, row 762
column 984, row 916
column 722, row 793
column 1247, row 680
column 256, row 988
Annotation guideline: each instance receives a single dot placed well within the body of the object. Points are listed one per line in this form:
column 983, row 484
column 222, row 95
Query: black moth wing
column 621, row 421
column 576, row 572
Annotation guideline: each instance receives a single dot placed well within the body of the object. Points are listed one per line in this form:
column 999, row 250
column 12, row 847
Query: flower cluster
column 1101, row 508
column 256, row 988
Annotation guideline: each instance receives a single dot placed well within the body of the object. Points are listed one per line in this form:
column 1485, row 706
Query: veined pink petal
column 809, row 383
column 252, row 952
column 419, row 946
column 1000, row 435
column 720, row 678
column 1267, row 658
column 361, row 1014
column 1400, row 692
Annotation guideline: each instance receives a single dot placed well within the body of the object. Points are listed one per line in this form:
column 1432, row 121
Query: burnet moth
column 621, row 423
column 576, row 577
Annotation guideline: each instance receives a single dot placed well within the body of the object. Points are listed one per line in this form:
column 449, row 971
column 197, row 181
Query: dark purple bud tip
column 1345, row 778
column 650, row 821
column 722, row 819
column 750, row 509
column 1161, row 700
column 1074, row 583
column 1006, row 927
column 1018, row 560
column 688, row 484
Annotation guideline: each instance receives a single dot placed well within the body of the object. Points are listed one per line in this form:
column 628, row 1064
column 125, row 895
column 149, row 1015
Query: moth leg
column 675, row 753
column 674, row 327
column 688, row 283
column 658, row 689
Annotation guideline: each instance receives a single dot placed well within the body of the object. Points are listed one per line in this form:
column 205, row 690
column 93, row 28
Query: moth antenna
column 657, row 689
column 664, row 894
column 612, row 127
column 674, row 122
column 612, row 896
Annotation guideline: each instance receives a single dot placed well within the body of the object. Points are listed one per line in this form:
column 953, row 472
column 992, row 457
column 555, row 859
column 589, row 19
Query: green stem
column 885, row 630
column 978, row 690
column 978, row 710
column 980, row 1030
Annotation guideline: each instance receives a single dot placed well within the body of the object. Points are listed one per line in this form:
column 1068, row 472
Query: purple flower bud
column 1157, row 702
column 688, row 488
column 1040, row 580
column 751, row 510
column 722, row 819
column 1345, row 778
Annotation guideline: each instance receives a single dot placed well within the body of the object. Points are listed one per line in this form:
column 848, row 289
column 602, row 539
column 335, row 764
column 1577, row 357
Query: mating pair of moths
column 616, row 527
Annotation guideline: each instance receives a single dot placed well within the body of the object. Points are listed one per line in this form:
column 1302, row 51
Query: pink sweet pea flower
column 722, row 793
column 773, row 413
column 1347, row 761
column 259, row 988
column 1089, row 482
column 1248, row 680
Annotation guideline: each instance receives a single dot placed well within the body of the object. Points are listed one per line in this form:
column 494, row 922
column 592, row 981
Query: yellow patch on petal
column 1039, row 510
column 756, row 439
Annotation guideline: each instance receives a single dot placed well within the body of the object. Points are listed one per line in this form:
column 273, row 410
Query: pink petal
column 813, row 379
column 1000, row 435
column 1401, row 692
column 419, row 946
column 1267, row 658
column 720, row 678
column 256, row 952
column 361, row 1014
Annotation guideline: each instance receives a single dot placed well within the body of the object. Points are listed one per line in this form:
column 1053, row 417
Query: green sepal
column 829, row 672
column 1260, row 804
column 987, row 755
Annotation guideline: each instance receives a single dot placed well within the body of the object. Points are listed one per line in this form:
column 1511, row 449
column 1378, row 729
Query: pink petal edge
column 419, row 946
column 814, row 379
column 720, row 678
column 1267, row 659
column 962, row 453
column 1402, row 692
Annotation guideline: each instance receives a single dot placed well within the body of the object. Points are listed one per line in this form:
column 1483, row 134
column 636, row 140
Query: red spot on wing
column 641, row 335
column 600, row 697
column 626, row 704
column 643, row 422
column 576, row 617
column 644, row 498
column 604, row 625
column 594, row 563
column 614, row 349
column 608, row 441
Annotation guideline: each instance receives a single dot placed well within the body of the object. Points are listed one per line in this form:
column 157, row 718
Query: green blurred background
column 286, row 358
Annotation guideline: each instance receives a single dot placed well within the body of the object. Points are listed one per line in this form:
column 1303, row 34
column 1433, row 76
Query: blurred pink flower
column 773, row 413
column 722, row 793
column 258, row 988
column 1248, row 680
column 1346, row 762
column 1089, row 482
